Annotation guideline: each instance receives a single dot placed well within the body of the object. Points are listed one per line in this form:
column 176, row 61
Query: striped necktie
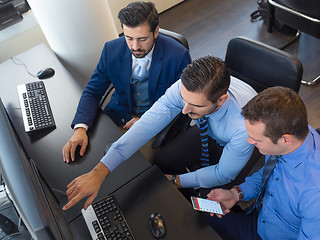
column 204, row 158
column 268, row 168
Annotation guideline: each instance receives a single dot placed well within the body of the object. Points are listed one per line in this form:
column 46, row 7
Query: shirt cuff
column 188, row 180
column 246, row 192
column 81, row 125
column 117, row 159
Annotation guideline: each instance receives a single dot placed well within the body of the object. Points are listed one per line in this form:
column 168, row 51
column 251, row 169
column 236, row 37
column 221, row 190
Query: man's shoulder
column 170, row 43
column 116, row 42
column 240, row 91
column 115, row 48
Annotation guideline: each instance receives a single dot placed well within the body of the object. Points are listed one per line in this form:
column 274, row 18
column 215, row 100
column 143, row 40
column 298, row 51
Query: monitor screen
column 24, row 185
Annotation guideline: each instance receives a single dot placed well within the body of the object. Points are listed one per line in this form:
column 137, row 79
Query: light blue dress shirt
column 291, row 205
column 226, row 127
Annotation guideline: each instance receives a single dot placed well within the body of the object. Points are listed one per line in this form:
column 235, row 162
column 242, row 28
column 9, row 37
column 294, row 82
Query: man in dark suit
column 141, row 65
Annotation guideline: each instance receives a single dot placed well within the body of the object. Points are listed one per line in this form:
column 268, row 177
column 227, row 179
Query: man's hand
column 227, row 199
column 79, row 137
column 130, row 123
column 86, row 185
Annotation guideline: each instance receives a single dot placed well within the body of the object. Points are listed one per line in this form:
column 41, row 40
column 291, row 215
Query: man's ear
column 222, row 99
column 287, row 138
column 156, row 32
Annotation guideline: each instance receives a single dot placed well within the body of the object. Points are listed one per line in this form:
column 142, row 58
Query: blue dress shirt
column 227, row 128
column 291, row 205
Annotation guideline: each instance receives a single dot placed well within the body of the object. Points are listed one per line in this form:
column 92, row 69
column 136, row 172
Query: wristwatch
column 174, row 180
column 238, row 189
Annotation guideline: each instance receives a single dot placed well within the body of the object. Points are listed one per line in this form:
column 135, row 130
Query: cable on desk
column 23, row 64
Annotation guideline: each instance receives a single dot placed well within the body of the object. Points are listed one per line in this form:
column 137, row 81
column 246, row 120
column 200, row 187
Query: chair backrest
column 176, row 36
column 262, row 66
column 301, row 15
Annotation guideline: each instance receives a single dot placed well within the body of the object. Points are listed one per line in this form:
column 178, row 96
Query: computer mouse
column 45, row 73
column 157, row 226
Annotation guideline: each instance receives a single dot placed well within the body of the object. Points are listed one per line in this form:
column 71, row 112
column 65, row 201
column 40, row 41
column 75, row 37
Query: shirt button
column 277, row 179
column 139, row 101
column 139, row 84
column 139, row 93
column 263, row 221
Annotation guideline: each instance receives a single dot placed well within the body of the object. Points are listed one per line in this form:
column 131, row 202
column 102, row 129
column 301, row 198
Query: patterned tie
column 204, row 158
column 268, row 168
column 140, row 73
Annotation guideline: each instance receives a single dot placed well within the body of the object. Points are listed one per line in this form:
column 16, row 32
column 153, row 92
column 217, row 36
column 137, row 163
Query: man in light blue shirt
column 276, row 121
column 204, row 90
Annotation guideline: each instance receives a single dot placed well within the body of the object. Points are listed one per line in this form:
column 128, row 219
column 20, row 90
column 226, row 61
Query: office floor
column 209, row 25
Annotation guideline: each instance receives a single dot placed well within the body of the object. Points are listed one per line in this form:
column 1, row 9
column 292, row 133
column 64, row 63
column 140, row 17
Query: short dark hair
column 281, row 110
column 207, row 74
column 137, row 13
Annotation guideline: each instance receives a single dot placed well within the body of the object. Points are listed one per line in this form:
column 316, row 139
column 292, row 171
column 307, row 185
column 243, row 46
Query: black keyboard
column 106, row 221
column 35, row 107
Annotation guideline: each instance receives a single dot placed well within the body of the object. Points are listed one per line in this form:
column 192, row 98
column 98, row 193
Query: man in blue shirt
column 204, row 90
column 276, row 122
column 141, row 66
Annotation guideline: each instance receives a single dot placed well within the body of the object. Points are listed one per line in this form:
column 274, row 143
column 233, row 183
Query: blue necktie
column 204, row 158
column 268, row 168
column 140, row 73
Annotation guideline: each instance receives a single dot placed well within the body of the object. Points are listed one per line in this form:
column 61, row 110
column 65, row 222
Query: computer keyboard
column 106, row 221
column 35, row 107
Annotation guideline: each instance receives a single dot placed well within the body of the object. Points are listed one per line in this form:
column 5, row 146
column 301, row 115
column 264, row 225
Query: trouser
column 183, row 152
column 237, row 226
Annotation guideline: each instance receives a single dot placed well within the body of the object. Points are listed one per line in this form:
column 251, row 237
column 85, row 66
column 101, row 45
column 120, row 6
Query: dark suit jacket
column 169, row 58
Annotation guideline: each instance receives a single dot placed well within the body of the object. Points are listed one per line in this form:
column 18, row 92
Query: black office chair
column 181, row 122
column 301, row 15
column 261, row 66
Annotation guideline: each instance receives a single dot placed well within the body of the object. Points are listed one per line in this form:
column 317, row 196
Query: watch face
column 174, row 180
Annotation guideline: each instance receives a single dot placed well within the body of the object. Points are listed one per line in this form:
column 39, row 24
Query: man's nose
column 251, row 141
column 186, row 109
column 135, row 45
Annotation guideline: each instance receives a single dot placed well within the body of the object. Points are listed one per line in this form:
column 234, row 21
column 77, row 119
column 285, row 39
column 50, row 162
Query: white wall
column 116, row 5
column 76, row 30
column 27, row 33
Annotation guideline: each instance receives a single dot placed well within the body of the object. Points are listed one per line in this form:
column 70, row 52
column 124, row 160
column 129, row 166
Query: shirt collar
column 301, row 153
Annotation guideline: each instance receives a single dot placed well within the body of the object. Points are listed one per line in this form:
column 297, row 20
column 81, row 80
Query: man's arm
column 87, row 108
column 152, row 122
column 310, row 216
column 234, row 157
column 93, row 93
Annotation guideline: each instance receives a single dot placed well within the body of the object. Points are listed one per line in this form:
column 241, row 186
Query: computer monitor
column 26, row 188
